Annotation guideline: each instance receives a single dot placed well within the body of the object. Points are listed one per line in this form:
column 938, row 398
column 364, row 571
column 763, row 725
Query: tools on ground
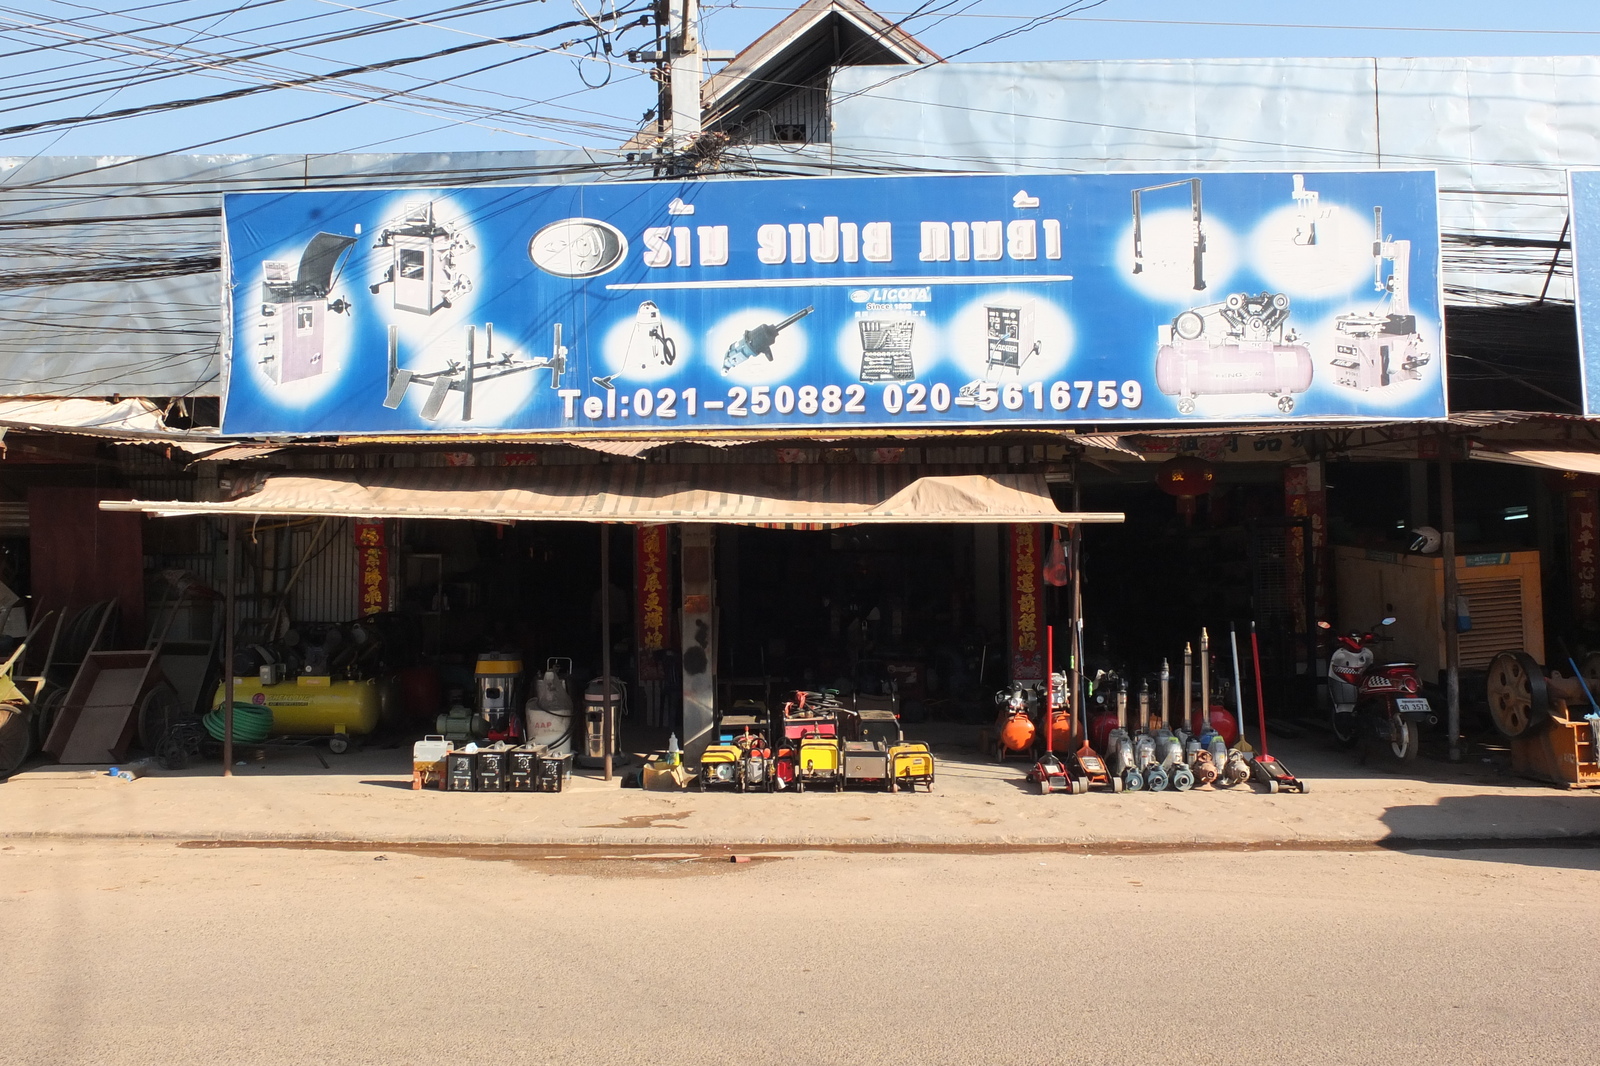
column 1265, row 767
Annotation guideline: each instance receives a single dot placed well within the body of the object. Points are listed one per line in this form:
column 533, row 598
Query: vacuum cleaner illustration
column 469, row 374
column 295, row 308
column 648, row 344
column 1382, row 347
column 423, row 265
column 1237, row 347
column 758, row 341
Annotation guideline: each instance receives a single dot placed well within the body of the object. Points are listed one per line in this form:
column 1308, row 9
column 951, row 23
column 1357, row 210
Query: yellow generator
column 719, row 766
column 313, row 706
column 818, row 762
column 911, row 765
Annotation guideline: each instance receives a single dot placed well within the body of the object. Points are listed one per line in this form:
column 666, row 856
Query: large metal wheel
column 1518, row 696
column 159, row 711
column 1591, row 672
column 16, row 741
column 44, row 714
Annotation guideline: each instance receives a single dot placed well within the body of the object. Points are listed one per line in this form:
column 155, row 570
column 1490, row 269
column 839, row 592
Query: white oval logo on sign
column 578, row 248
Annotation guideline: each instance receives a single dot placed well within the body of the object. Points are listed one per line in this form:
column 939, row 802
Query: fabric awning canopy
column 1578, row 462
column 798, row 494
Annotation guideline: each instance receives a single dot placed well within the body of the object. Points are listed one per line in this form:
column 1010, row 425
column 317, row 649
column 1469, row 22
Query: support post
column 229, row 624
column 699, row 647
column 686, row 72
column 1452, row 592
column 608, row 716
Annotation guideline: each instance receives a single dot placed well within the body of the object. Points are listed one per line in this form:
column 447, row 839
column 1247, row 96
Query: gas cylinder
column 1018, row 731
column 1060, row 730
column 1224, row 724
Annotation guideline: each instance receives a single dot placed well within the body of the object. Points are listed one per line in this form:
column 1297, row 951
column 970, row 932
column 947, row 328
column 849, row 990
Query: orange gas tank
column 1017, row 732
column 1060, row 731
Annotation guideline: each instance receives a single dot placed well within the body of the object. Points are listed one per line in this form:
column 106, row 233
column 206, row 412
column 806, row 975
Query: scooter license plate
column 1412, row 705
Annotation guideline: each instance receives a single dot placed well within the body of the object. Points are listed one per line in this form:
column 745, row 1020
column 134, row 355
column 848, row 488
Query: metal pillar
column 699, row 638
column 605, row 644
column 229, row 624
column 1452, row 592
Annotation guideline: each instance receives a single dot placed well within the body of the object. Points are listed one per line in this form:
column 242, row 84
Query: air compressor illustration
column 1240, row 346
column 295, row 306
column 424, row 267
column 1382, row 347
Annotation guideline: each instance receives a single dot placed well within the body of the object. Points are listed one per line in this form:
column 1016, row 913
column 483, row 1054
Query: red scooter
column 1382, row 701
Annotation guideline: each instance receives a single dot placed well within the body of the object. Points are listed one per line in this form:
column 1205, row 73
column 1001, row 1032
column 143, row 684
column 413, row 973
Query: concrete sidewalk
column 366, row 797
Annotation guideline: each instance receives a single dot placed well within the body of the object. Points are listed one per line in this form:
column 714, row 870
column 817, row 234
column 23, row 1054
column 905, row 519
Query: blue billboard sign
column 914, row 303
column 1584, row 196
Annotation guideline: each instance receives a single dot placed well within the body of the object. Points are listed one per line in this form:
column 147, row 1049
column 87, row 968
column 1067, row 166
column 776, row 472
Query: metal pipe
column 1188, row 688
column 1080, row 713
column 1452, row 598
column 1166, row 710
column 1205, row 679
column 1239, row 687
column 1049, row 687
column 605, row 642
column 228, row 624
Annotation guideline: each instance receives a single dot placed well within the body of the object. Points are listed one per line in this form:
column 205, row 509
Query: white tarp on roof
column 819, row 494
column 1500, row 131
column 134, row 417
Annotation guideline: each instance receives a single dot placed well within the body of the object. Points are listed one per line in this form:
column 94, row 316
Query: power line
column 300, row 82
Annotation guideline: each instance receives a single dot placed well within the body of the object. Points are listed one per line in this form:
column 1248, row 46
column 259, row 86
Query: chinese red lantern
column 1186, row 478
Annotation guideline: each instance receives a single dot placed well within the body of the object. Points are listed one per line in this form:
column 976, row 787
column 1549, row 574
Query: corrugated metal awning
column 1578, row 462
column 825, row 494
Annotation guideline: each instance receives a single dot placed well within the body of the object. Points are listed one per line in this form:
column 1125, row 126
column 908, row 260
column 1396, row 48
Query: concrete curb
column 820, row 843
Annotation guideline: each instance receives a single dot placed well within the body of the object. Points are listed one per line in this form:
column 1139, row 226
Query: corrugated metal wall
column 326, row 588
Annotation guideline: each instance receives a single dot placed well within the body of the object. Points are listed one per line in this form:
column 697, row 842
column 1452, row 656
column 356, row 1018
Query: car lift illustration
column 1197, row 222
column 467, row 375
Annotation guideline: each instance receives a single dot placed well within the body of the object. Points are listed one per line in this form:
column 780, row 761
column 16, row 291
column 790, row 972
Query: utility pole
column 680, row 71
column 686, row 72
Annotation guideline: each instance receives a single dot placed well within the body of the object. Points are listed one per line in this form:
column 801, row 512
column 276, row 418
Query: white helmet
column 1427, row 541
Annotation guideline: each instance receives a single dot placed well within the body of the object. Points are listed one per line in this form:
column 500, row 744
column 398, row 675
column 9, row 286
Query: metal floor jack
column 1265, row 767
column 1050, row 773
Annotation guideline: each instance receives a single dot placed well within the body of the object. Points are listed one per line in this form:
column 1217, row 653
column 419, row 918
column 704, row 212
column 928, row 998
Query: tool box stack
column 498, row 767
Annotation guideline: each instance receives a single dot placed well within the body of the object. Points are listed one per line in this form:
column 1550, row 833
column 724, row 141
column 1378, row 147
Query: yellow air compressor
column 313, row 706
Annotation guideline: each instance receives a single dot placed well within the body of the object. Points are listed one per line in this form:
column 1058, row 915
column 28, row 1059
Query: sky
column 71, row 69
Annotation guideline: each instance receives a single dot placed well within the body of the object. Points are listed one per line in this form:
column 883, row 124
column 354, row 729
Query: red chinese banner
column 1583, row 514
column 650, row 587
column 372, row 566
column 1027, row 605
column 1305, row 496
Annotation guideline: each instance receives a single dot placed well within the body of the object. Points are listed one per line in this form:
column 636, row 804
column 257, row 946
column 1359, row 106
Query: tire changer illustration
column 423, row 264
column 295, row 306
column 1378, row 348
column 469, row 374
column 1239, row 346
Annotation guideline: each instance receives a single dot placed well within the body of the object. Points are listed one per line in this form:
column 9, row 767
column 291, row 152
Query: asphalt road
column 156, row 953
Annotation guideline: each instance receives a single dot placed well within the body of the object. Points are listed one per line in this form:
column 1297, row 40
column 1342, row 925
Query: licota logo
column 860, row 296
column 259, row 699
